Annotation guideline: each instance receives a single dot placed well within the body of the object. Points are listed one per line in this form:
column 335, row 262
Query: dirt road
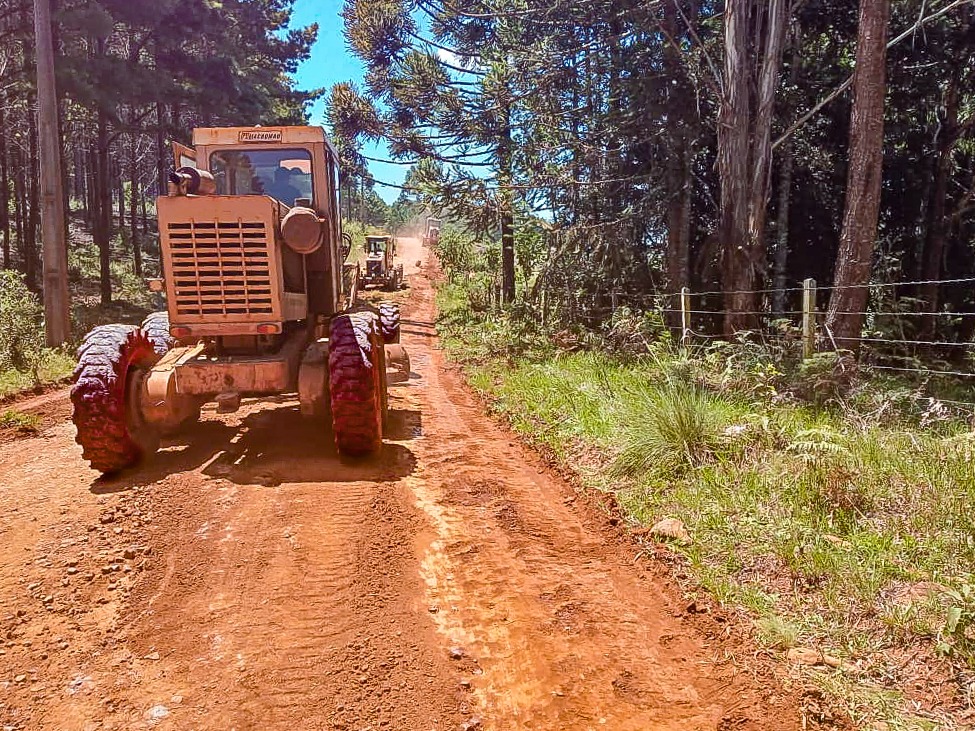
column 248, row 579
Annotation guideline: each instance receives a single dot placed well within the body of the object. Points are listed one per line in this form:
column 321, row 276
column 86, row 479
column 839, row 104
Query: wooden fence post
column 808, row 318
column 685, row 316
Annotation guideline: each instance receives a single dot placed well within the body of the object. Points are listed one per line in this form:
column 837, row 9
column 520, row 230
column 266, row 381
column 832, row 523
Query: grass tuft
column 671, row 429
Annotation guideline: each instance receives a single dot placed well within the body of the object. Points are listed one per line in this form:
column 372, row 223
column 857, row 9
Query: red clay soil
column 246, row 578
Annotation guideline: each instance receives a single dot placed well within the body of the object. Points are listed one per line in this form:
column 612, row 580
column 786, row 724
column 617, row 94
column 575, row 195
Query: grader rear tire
column 112, row 360
column 356, row 384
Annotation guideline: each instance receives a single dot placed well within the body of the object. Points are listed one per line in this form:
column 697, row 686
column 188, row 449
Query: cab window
column 375, row 245
column 281, row 174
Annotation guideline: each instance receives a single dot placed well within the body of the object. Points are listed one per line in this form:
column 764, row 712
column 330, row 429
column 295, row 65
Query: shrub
column 825, row 377
column 634, row 333
column 21, row 325
column 457, row 253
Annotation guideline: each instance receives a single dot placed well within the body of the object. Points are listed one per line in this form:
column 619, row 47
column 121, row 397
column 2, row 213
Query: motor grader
column 431, row 235
column 380, row 269
column 258, row 301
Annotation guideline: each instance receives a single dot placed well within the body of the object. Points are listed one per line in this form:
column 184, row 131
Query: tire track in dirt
column 247, row 578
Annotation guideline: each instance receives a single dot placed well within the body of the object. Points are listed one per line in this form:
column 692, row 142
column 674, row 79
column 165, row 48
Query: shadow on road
column 269, row 447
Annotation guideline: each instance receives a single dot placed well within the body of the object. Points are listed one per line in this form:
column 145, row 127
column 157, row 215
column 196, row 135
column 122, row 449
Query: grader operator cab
column 258, row 303
column 380, row 270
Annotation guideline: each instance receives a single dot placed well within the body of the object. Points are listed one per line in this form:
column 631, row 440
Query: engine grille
column 220, row 268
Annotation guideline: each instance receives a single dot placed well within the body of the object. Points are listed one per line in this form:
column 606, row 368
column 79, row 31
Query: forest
column 633, row 149
column 131, row 77
column 732, row 148
column 650, row 207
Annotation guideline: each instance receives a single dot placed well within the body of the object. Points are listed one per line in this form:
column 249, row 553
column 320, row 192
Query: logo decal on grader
column 259, row 302
column 269, row 135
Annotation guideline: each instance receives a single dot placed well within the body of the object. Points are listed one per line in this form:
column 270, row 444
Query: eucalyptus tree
column 849, row 298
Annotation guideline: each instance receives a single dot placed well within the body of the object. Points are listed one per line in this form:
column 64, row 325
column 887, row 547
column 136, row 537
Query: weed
column 958, row 633
column 53, row 365
column 778, row 632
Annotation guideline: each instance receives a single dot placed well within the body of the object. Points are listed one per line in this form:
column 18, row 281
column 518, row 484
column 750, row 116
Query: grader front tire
column 112, row 360
column 156, row 328
column 389, row 321
column 356, row 384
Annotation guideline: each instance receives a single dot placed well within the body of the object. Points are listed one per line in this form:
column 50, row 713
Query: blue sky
column 331, row 62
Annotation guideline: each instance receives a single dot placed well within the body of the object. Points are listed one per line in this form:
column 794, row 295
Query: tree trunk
column 91, row 211
column 102, row 197
column 20, row 208
column 862, row 207
column 507, row 251
column 143, row 214
column 78, row 186
column 780, row 263
column 733, row 157
column 120, row 177
column 507, row 220
column 4, row 190
column 679, row 160
column 162, row 159
column 938, row 217
column 57, row 323
column 745, row 149
column 134, row 208
column 33, row 206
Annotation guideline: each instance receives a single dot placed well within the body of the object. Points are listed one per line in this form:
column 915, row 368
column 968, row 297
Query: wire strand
column 927, row 371
column 934, row 343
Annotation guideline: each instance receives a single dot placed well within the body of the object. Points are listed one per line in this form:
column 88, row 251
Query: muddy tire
column 389, row 322
column 111, row 361
column 156, row 328
column 356, row 383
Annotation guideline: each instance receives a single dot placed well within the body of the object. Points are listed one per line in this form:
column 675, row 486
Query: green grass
column 820, row 523
column 54, row 365
column 11, row 419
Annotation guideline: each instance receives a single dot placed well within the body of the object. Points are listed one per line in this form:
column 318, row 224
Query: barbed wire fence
column 890, row 344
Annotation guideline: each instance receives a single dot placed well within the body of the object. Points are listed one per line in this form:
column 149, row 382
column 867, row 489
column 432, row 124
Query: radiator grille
column 220, row 268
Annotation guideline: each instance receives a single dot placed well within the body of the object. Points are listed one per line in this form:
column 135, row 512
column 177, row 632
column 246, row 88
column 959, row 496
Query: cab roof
column 258, row 135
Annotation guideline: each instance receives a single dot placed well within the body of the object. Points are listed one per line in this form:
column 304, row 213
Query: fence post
column 808, row 318
column 685, row 315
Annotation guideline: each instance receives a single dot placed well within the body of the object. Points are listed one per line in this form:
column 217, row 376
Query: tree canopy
column 680, row 143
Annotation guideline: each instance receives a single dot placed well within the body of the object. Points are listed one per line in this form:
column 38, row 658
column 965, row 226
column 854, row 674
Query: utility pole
column 56, row 318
